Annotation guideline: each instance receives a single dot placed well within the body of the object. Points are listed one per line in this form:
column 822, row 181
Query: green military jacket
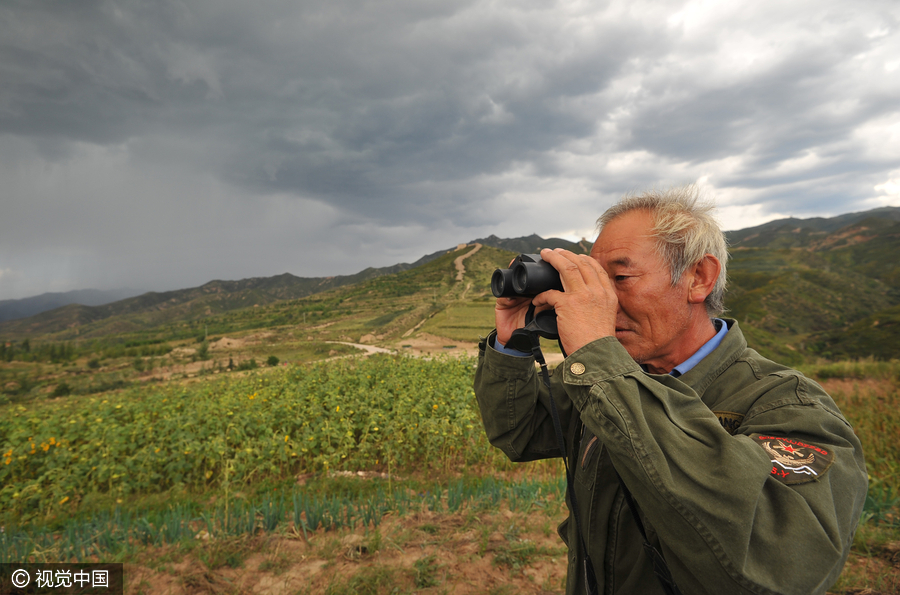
column 747, row 477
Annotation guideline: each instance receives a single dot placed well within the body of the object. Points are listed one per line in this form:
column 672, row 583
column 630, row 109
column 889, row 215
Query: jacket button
column 577, row 368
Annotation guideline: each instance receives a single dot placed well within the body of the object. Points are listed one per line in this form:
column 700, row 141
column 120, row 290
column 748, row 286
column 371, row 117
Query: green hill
column 802, row 289
column 152, row 310
column 806, row 286
column 794, row 233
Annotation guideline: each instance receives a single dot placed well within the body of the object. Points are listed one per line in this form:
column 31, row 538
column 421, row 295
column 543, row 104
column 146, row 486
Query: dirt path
column 369, row 350
column 460, row 273
column 466, row 291
column 458, row 263
column 415, row 328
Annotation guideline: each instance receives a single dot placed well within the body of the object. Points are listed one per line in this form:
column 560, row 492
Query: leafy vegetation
column 379, row 412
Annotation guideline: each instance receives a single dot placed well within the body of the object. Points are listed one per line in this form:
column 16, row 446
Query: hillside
column 798, row 287
column 803, row 288
column 796, row 233
column 154, row 309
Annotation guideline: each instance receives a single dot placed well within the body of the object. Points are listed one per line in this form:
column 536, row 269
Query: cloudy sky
column 161, row 144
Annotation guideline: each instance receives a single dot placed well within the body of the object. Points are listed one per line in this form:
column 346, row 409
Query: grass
column 36, row 381
column 868, row 393
column 859, row 369
column 465, row 321
column 370, row 580
column 425, row 572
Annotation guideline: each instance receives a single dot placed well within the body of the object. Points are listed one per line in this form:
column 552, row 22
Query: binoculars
column 527, row 276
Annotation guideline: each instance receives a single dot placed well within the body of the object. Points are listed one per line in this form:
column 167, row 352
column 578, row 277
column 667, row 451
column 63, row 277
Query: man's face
column 653, row 316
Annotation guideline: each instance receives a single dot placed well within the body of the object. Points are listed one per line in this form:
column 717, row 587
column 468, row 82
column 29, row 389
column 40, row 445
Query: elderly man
column 742, row 474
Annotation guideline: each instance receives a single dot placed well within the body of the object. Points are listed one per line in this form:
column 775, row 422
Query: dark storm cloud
column 343, row 101
column 226, row 138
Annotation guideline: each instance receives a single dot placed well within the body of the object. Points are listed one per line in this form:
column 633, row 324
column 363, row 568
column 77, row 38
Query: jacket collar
column 729, row 350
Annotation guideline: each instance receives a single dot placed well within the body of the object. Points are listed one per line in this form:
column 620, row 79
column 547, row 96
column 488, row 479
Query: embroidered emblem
column 729, row 420
column 794, row 461
column 577, row 368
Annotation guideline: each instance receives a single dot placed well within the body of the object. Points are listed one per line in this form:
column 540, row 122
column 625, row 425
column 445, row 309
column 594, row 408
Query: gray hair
column 685, row 231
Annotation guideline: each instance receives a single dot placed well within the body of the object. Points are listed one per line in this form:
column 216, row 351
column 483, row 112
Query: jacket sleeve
column 515, row 405
column 724, row 522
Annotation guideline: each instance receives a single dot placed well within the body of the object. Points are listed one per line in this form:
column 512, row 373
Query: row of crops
column 380, row 412
column 109, row 534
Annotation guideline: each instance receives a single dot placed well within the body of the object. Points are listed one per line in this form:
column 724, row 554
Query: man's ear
column 703, row 278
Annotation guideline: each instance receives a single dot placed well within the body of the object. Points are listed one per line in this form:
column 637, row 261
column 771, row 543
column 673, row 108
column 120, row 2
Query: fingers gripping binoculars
column 527, row 276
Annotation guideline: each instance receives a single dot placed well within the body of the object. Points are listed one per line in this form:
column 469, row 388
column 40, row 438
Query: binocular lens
column 520, row 278
column 501, row 283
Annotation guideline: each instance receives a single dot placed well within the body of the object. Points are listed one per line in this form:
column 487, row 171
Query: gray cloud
column 162, row 144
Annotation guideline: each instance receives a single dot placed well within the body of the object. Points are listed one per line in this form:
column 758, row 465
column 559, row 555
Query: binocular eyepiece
column 527, row 276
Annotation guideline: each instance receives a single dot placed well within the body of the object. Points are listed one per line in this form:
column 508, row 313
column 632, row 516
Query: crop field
column 391, row 413
column 382, row 447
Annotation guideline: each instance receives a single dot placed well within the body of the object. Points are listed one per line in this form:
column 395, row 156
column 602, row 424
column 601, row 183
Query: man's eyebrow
column 622, row 261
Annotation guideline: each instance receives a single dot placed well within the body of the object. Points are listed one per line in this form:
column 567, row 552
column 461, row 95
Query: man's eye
column 621, row 277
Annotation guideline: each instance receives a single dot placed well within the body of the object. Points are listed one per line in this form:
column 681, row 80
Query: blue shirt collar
column 707, row 348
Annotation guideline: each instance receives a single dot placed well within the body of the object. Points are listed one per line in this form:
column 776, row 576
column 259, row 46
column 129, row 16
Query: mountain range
column 802, row 288
column 25, row 307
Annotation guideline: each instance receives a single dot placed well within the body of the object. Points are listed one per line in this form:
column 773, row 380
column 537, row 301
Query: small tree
column 62, row 389
column 272, row 361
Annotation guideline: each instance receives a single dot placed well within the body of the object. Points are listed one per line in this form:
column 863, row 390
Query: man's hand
column 509, row 315
column 586, row 310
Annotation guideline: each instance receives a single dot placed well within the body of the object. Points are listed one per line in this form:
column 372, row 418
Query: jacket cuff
column 504, row 365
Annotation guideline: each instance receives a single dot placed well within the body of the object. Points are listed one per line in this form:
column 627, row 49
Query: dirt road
column 458, row 263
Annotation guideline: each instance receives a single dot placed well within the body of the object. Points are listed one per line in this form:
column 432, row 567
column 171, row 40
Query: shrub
column 203, row 351
column 62, row 389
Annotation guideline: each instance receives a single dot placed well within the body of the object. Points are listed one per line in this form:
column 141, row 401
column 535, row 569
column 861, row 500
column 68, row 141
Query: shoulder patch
column 794, row 461
column 729, row 420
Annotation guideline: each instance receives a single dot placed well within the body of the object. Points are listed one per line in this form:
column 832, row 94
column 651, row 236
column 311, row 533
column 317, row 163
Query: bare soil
column 428, row 345
column 462, row 553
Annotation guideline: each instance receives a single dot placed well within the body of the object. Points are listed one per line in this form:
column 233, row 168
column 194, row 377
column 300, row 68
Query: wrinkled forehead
column 627, row 240
column 628, row 231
